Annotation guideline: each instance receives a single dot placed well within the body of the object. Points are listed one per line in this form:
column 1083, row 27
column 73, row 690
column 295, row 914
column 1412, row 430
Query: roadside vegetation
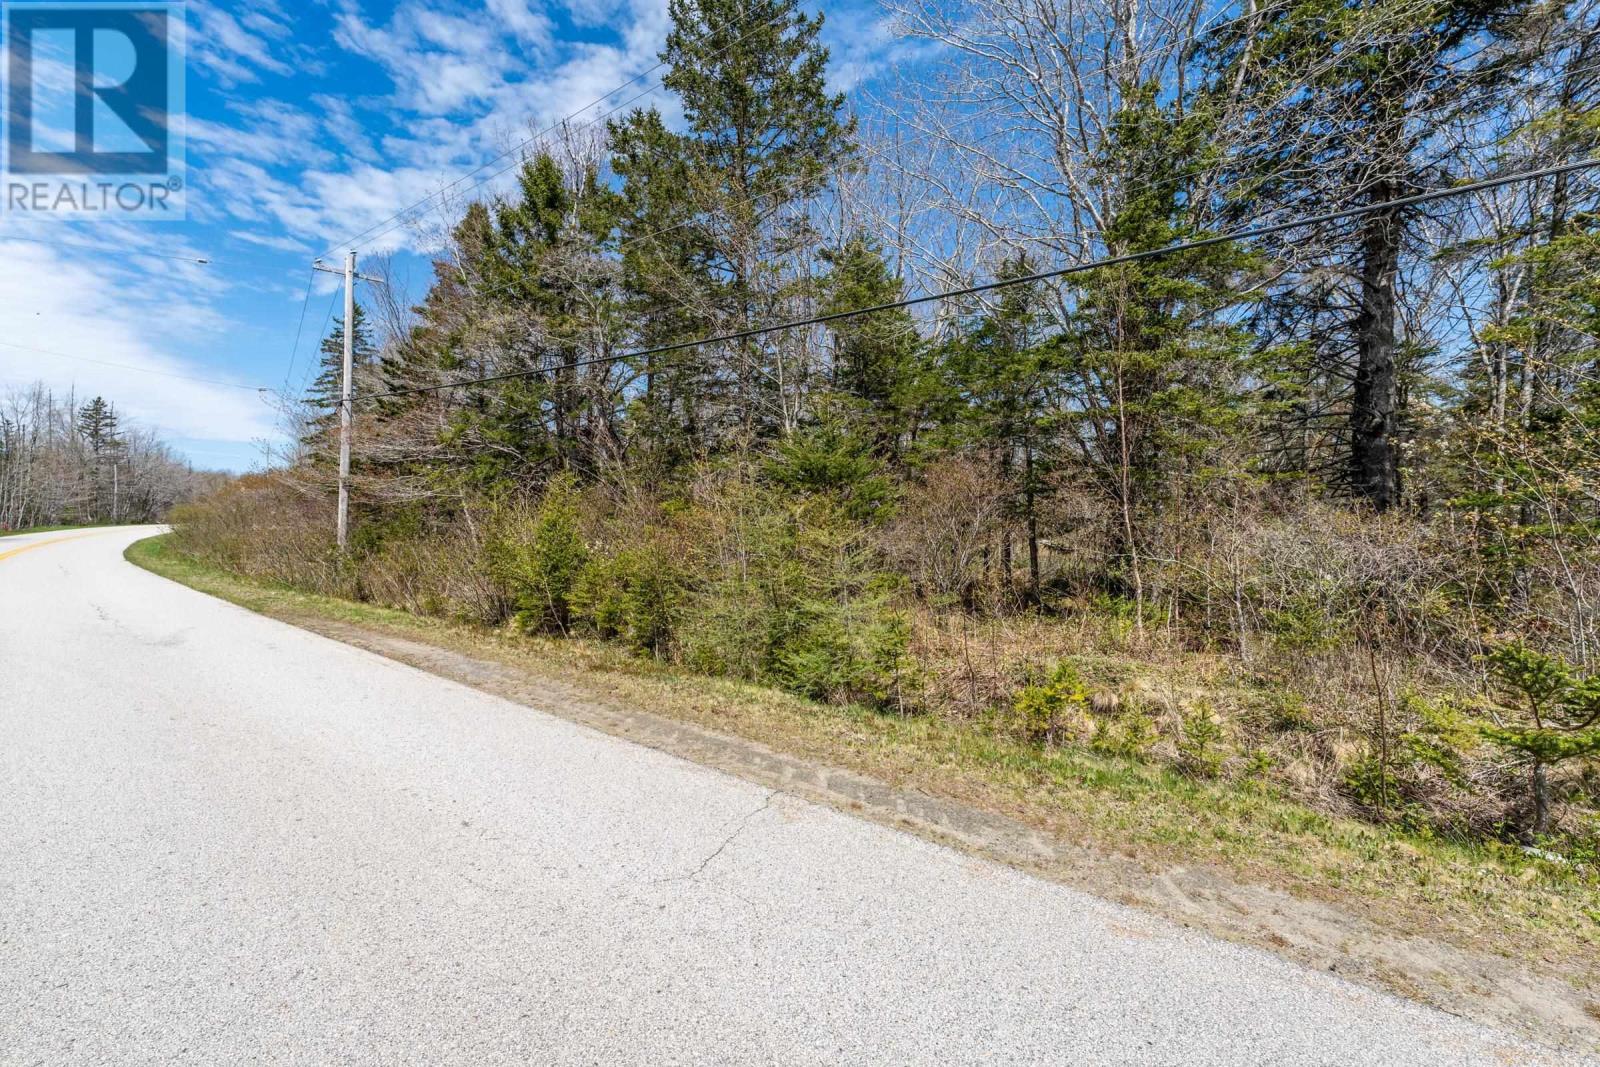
column 1284, row 552
column 1485, row 895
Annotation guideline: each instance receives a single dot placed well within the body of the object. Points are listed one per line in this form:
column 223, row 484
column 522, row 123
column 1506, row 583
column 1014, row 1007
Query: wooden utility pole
column 346, row 388
column 344, row 397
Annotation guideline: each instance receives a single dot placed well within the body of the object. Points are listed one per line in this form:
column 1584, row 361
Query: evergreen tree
column 878, row 359
column 762, row 138
column 98, row 426
column 1153, row 354
column 1346, row 96
column 326, row 390
column 1002, row 372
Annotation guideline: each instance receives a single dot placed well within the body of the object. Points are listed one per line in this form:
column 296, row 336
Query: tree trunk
column 1374, row 450
column 1032, row 523
column 1541, row 798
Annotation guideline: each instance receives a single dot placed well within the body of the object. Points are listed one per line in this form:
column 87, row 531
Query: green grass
column 1487, row 896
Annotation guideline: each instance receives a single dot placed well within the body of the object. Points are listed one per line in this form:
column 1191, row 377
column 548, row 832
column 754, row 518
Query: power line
column 531, row 139
column 333, row 301
column 590, row 124
column 58, row 243
column 1113, row 261
column 197, row 259
column 749, row 201
column 133, row 367
column 294, row 353
column 1127, row 190
column 517, row 163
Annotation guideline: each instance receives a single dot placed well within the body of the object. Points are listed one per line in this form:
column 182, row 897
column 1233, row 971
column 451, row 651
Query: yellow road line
column 52, row 541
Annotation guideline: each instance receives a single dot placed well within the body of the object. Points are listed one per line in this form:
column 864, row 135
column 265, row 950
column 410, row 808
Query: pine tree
column 98, row 426
column 763, row 136
column 326, row 390
column 1346, row 96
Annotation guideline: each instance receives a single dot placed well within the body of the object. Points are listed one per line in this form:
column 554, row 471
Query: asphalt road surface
column 225, row 840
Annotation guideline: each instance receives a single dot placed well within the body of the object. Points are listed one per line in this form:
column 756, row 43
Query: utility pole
column 346, row 390
column 344, row 397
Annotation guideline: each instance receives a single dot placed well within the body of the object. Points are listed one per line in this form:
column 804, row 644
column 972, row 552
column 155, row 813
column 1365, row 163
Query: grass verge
column 1486, row 899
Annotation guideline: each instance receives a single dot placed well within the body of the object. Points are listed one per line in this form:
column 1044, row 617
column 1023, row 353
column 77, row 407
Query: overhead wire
column 1249, row 233
column 134, row 367
column 294, row 353
column 1131, row 189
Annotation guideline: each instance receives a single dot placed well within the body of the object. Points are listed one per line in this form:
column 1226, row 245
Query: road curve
column 225, row 840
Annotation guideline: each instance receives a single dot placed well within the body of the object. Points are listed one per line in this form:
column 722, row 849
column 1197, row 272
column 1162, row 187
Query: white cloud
column 234, row 53
column 468, row 82
column 530, row 26
column 68, row 325
column 272, row 133
column 267, row 240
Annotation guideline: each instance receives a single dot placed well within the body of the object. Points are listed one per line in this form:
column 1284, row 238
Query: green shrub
column 1551, row 716
column 830, row 460
column 1306, row 624
column 1129, row 734
column 1423, row 767
column 850, row 651
column 1200, row 751
column 793, row 593
column 1053, row 710
column 539, row 559
column 599, row 595
column 1380, row 789
column 633, row 595
column 1440, row 740
column 1287, row 711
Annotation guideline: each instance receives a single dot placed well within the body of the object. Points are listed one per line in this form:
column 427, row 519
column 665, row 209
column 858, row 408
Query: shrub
column 946, row 524
column 633, row 595
column 264, row 526
column 1419, row 778
column 1129, row 734
column 844, row 652
column 1553, row 716
column 1054, row 710
column 539, row 558
column 1200, row 752
column 792, row 592
column 1307, row 623
column 830, row 460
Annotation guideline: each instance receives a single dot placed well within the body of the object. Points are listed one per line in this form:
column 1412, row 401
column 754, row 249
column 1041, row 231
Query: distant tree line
column 63, row 462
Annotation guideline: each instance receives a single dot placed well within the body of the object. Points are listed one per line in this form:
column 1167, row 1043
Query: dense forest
column 65, row 463
column 1319, row 509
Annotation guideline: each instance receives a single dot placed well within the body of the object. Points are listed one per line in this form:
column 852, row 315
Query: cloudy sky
column 310, row 121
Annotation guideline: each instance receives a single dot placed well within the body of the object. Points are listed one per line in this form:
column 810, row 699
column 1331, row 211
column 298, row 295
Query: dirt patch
column 1552, row 1008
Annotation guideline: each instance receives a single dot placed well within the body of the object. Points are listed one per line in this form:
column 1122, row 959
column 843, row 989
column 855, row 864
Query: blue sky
column 307, row 123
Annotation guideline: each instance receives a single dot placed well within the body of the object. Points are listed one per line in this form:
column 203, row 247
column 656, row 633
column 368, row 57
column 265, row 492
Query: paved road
column 224, row 840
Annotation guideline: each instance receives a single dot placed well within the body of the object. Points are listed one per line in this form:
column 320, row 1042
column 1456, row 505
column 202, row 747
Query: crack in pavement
column 736, row 831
